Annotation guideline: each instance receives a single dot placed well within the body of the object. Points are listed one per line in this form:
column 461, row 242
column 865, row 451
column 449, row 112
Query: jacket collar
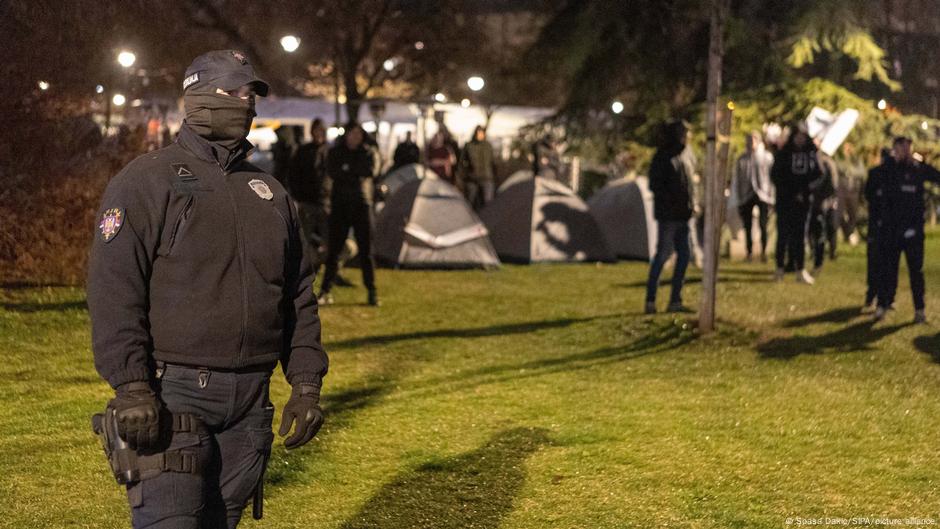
column 211, row 152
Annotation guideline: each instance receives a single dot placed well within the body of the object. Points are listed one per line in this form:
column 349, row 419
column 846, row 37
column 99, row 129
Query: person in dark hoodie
column 795, row 166
column 197, row 286
column 351, row 165
column 310, row 189
column 671, row 181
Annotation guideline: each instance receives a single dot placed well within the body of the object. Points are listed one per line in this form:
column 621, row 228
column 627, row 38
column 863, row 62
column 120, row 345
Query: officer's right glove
column 304, row 408
column 137, row 411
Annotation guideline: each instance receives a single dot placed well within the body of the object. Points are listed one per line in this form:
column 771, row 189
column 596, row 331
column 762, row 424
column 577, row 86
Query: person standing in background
column 406, row 153
column 441, row 158
column 752, row 188
column 795, row 166
column 478, row 169
column 671, row 181
column 822, row 227
column 309, row 186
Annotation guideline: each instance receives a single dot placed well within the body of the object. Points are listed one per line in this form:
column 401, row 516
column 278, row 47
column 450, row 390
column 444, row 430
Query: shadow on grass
column 843, row 315
column 473, row 332
column 853, row 338
column 289, row 466
column 929, row 345
column 696, row 280
column 475, row 489
column 42, row 307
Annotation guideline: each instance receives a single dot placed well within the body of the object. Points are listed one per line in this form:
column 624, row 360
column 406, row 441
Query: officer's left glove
column 304, row 408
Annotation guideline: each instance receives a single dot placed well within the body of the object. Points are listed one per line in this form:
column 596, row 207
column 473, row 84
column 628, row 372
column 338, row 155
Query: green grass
column 538, row 397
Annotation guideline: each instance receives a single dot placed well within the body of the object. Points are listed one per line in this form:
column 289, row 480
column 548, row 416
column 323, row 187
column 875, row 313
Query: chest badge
column 111, row 222
column 261, row 188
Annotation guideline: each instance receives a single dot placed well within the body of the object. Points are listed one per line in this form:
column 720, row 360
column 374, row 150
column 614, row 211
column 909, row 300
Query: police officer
column 197, row 286
column 900, row 227
column 351, row 165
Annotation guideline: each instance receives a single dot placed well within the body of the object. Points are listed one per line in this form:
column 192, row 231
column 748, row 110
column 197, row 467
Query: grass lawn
column 540, row 397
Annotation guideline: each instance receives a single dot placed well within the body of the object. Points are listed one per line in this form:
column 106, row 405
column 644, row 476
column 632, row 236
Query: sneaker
column 374, row 299
column 880, row 313
column 650, row 307
column 778, row 275
column 678, row 307
column 920, row 316
column 804, row 277
column 325, row 298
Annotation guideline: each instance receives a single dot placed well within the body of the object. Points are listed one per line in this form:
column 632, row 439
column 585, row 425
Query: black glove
column 137, row 410
column 303, row 407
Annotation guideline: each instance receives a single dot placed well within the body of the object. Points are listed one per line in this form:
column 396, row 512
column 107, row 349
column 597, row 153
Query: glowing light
column 99, row 89
column 476, row 83
column 126, row 58
column 369, row 126
column 465, row 103
column 137, row 102
column 43, row 85
column 341, row 99
column 924, row 125
column 440, row 98
column 118, row 99
column 882, row 104
column 616, row 107
column 290, row 43
column 730, row 105
column 419, row 45
column 389, row 64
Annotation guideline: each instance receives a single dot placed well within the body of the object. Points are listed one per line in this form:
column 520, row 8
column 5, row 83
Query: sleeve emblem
column 111, row 222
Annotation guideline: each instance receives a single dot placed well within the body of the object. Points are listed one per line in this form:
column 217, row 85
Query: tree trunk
column 713, row 187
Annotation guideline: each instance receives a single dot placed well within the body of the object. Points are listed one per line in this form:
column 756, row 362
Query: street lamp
column 43, row 85
column 440, row 97
column 616, row 107
column 99, row 89
column 465, row 103
column 126, row 58
column 290, row 43
column 476, row 83
column 389, row 64
column 118, row 100
column 882, row 104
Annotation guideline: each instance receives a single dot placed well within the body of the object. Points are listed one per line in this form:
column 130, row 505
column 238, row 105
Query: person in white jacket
column 752, row 188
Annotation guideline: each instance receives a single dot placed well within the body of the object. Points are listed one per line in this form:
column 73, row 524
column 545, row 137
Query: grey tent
column 624, row 211
column 427, row 223
column 401, row 176
column 533, row 219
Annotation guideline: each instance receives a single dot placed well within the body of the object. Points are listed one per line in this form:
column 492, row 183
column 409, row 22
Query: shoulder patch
column 111, row 222
column 181, row 169
column 261, row 189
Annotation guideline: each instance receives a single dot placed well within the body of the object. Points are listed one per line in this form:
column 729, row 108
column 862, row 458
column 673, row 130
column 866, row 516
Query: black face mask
column 219, row 118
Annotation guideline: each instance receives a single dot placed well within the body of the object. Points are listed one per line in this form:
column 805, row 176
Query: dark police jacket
column 351, row 172
column 671, row 183
column 197, row 264
column 896, row 191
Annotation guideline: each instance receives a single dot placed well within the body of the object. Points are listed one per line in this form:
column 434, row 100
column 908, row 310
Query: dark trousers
column 889, row 260
column 237, row 412
column 823, row 230
column 479, row 192
column 791, row 235
column 746, row 211
column 342, row 218
column 872, row 276
column 672, row 236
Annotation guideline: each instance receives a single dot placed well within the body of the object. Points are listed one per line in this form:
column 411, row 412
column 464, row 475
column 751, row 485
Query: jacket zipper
column 241, row 262
column 180, row 221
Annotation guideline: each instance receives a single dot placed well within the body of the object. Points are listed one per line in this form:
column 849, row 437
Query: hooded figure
column 795, row 167
column 197, row 287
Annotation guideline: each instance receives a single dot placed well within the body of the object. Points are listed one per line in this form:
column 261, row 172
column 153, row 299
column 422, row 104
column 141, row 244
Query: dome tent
column 533, row 219
column 394, row 180
column 624, row 211
column 427, row 223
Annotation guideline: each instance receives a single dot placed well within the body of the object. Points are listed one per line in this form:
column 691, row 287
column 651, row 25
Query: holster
column 130, row 466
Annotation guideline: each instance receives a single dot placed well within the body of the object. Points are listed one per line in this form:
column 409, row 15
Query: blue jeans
column 672, row 236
